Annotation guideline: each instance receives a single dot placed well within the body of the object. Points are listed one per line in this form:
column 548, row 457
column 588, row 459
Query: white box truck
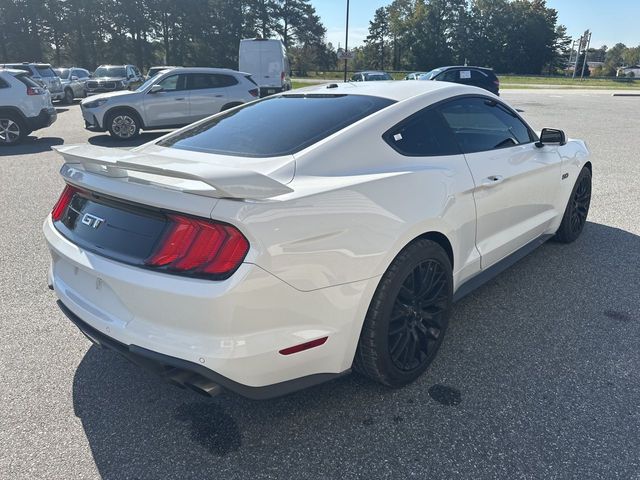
column 266, row 60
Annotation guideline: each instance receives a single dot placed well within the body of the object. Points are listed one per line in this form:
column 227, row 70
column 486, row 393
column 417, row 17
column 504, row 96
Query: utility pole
column 346, row 42
column 586, row 52
column 575, row 65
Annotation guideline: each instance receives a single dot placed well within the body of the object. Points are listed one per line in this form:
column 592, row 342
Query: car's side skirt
column 485, row 275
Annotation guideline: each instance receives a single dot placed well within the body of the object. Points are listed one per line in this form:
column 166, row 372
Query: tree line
column 519, row 36
column 88, row 33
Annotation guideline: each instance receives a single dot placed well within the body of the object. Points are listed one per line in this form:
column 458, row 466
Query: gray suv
column 43, row 74
column 111, row 78
column 171, row 99
column 74, row 82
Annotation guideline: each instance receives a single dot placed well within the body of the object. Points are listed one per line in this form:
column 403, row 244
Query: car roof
column 393, row 90
column 13, row 71
column 464, row 66
column 228, row 71
column 378, row 72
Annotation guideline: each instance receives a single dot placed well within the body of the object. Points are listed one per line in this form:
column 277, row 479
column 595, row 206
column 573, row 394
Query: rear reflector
column 304, row 346
column 63, row 202
column 200, row 247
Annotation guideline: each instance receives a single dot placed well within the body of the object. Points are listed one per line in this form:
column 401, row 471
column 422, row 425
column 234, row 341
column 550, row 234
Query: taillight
column 254, row 92
column 496, row 82
column 199, row 247
column 34, row 91
column 63, row 202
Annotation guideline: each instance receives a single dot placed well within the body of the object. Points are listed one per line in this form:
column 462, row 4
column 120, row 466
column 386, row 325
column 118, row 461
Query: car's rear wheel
column 123, row 124
column 68, row 96
column 575, row 214
column 12, row 130
column 408, row 316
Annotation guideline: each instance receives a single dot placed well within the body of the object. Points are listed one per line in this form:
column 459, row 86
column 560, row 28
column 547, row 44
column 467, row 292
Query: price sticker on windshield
column 465, row 74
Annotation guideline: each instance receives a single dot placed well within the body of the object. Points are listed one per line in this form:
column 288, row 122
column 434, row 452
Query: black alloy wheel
column 416, row 325
column 575, row 215
column 408, row 315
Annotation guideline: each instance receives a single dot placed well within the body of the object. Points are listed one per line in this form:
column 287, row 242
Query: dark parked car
column 370, row 76
column 476, row 76
column 110, row 78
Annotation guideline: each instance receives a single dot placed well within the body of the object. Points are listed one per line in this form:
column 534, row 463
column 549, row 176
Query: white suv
column 25, row 106
column 173, row 98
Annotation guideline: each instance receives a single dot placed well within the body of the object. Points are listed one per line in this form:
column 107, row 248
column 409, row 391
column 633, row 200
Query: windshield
column 148, row 83
column 63, row 73
column 110, row 72
column 430, row 75
column 251, row 131
column 370, row 77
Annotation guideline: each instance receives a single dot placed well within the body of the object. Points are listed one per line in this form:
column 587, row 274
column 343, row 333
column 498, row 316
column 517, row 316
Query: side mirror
column 74, row 78
column 551, row 136
column 155, row 89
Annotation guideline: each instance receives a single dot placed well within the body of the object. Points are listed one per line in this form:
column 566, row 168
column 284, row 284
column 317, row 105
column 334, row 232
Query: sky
column 611, row 21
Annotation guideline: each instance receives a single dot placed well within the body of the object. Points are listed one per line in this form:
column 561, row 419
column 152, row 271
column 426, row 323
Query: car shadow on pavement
column 528, row 352
column 31, row 145
column 107, row 140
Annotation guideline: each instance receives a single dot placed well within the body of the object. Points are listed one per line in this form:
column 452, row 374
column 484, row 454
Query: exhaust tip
column 204, row 386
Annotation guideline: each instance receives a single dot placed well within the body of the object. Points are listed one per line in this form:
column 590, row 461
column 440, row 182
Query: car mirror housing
column 551, row 136
column 155, row 88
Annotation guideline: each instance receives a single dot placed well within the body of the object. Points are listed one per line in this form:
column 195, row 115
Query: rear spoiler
column 227, row 181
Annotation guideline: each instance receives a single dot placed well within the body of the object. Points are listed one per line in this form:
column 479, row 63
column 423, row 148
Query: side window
column 3, row 84
column 172, row 83
column 481, row 124
column 226, row 80
column 448, row 76
column 425, row 134
column 137, row 72
column 82, row 74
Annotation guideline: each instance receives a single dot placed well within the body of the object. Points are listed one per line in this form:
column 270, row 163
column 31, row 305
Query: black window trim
column 387, row 136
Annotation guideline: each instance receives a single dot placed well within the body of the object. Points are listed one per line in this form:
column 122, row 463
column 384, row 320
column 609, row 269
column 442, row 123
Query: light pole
column 346, row 42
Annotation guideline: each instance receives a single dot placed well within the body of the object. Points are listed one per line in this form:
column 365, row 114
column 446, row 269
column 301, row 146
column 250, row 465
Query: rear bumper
column 229, row 331
column 45, row 118
column 183, row 373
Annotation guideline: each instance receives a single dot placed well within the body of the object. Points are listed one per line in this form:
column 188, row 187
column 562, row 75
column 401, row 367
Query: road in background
column 539, row 376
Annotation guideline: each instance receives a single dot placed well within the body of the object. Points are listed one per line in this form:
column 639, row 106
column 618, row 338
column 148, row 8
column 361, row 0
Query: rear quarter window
column 280, row 125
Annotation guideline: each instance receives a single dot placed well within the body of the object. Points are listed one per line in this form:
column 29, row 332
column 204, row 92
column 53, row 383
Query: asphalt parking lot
column 539, row 376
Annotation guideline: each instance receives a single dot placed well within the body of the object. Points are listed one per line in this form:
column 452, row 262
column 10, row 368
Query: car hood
column 108, row 79
column 118, row 93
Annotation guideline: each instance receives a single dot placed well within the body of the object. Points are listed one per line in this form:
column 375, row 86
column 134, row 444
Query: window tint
column 424, row 134
column 481, row 124
column 82, row 73
column 3, row 84
column 252, row 130
column 449, row 76
column 199, row 81
column 172, row 83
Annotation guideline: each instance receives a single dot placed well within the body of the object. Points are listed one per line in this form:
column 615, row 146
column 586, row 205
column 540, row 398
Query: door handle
column 492, row 180
column 179, row 99
column 218, row 96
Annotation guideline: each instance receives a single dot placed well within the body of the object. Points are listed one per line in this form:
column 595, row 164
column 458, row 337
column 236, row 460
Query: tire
column 124, row 124
column 407, row 320
column 68, row 96
column 12, row 129
column 575, row 214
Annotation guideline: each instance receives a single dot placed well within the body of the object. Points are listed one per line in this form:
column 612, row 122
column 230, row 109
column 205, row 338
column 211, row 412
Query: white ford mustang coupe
column 286, row 241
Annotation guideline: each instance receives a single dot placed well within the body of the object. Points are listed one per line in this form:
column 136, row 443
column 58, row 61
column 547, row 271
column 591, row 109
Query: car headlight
column 95, row 103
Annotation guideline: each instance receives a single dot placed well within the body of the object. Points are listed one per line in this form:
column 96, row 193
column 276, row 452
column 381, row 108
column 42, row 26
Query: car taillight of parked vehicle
column 35, row 91
column 255, row 92
column 199, row 247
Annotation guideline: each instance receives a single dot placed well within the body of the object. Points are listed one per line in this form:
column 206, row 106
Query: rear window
column 45, row 71
column 276, row 126
column 63, row 72
column 24, row 78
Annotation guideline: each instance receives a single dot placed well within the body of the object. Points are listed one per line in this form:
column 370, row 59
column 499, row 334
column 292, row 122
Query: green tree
column 376, row 41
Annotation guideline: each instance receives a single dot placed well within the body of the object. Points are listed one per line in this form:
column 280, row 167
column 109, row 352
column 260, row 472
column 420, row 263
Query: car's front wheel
column 123, row 124
column 575, row 214
column 12, row 131
column 408, row 316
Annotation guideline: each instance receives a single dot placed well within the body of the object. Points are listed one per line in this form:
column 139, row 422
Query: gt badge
column 92, row 221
